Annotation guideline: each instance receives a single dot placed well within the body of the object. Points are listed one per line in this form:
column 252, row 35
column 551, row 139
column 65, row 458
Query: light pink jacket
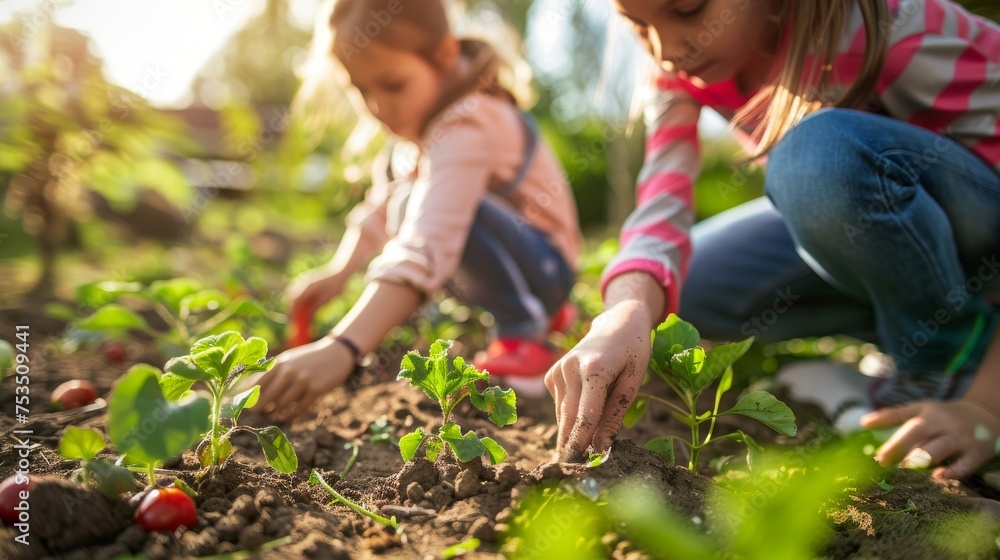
column 470, row 151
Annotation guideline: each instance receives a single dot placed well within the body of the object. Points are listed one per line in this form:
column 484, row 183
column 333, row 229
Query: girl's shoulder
column 477, row 118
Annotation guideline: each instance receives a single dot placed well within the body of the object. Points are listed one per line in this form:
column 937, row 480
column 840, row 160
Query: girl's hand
column 302, row 375
column 313, row 289
column 962, row 430
column 595, row 383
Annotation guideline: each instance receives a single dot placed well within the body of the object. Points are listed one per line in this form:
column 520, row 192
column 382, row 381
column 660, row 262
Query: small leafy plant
column 155, row 415
column 83, row 445
column 448, row 382
column 220, row 362
column 190, row 311
column 689, row 370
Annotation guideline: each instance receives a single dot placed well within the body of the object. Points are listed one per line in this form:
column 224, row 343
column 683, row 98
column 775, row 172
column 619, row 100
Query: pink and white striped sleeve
column 655, row 237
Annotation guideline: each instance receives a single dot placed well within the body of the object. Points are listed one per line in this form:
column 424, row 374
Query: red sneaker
column 519, row 364
column 563, row 319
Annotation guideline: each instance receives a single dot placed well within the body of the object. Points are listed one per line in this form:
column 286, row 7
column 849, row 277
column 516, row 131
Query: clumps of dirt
column 928, row 518
column 65, row 516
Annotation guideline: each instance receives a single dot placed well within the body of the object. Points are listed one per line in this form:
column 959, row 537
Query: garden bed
column 246, row 505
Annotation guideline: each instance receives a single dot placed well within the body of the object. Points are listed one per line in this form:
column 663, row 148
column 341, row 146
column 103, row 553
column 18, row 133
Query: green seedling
column 189, row 310
column 316, row 479
column 689, row 370
column 448, row 382
column 220, row 362
column 83, row 445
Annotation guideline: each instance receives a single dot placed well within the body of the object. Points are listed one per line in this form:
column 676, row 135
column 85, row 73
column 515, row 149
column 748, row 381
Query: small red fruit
column 166, row 509
column 73, row 394
column 301, row 328
column 10, row 497
column 114, row 351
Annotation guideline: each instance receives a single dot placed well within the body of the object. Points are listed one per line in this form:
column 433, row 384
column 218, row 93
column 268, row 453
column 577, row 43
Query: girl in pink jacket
column 469, row 198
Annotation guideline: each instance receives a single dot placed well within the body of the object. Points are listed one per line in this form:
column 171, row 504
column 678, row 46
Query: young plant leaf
column 722, row 356
column 205, row 300
column 636, row 411
column 174, row 386
column 597, row 459
column 466, row 447
column 146, row 427
column 433, row 448
column 277, row 449
column 246, row 399
column 672, row 333
column 409, row 443
column 686, row 367
column 97, row 294
column 423, row 372
column 80, row 444
column 764, row 407
column 186, row 368
column 725, row 384
column 459, row 549
column 115, row 318
column 499, row 404
column 497, row 453
column 110, row 479
column 664, row 446
column 754, row 450
column 170, row 293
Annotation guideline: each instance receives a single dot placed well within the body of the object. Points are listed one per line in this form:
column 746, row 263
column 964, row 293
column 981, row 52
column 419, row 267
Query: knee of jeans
column 700, row 305
column 812, row 172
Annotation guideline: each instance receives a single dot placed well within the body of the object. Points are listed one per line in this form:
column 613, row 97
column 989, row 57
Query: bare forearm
column 639, row 290
column 985, row 388
column 352, row 252
column 382, row 306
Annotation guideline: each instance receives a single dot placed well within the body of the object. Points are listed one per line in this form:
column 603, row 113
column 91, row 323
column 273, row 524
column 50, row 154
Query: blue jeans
column 872, row 228
column 511, row 269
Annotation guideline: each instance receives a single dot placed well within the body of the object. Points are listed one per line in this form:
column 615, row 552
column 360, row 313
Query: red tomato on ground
column 10, row 497
column 114, row 351
column 166, row 509
column 74, row 394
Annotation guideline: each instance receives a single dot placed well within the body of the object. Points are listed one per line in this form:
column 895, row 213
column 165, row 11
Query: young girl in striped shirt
column 880, row 123
column 470, row 197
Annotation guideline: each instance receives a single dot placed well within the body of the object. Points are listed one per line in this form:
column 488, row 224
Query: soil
column 246, row 504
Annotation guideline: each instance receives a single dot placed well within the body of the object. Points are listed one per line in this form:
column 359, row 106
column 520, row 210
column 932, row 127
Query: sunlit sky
column 168, row 39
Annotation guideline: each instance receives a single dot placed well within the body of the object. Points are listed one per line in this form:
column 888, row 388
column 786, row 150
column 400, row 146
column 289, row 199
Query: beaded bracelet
column 351, row 346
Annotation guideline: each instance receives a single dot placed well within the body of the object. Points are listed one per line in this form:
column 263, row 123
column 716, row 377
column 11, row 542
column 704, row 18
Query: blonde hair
column 345, row 27
column 817, row 29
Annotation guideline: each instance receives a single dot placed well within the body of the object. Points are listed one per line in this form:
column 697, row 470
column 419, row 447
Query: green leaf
column 465, row 375
column 636, row 411
column 433, row 448
column 240, row 402
column 664, row 446
column 721, row 356
column 764, row 407
column 223, row 449
column 467, row 545
column 278, row 450
column 115, row 318
column 210, row 362
column 174, row 386
column 672, row 332
column 185, row 368
column 497, row 453
column 146, row 427
column 419, row 370
column 754, row 449
column 499, row 404
column 80, row 444
column 598, row 459
column 725, row 384
column 409, row 443
column 686, row 368
column 204, row 300
column 466, row 446
column 170, row 293
column 96, row 294
column 110, row 479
